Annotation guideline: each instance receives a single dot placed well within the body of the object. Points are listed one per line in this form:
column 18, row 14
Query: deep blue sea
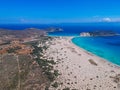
column 105, row 47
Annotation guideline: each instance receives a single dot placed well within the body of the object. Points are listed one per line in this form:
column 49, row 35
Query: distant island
column 98, row 33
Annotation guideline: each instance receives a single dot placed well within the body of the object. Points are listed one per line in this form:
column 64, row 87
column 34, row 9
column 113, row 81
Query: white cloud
column 106, row 19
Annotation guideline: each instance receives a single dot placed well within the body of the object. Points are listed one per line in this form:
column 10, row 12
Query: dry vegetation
column 17, row 48
column 20, row 73
column 22, row 66
column 19, row 69
column 92, row 62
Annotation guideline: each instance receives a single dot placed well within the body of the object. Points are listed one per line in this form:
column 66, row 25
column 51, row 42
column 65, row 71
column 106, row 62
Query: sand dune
column 79, row 69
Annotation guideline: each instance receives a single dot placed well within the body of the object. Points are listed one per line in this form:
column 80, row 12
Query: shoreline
column 71, row 37
column 76, row 70
column 94, row 54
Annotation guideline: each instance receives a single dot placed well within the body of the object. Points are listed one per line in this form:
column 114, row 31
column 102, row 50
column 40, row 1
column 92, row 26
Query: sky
column 59, row 11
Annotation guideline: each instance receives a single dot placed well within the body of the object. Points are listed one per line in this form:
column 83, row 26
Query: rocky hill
column 22, row 33
column 98, row 33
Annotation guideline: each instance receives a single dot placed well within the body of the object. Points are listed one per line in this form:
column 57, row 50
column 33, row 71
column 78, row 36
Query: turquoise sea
column 105, row 47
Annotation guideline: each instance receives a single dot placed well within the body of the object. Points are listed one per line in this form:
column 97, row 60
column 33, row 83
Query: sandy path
column 18, row 65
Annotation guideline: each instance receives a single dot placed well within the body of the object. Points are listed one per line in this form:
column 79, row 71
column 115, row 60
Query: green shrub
column 55, row 85
column 46, row 65
column 50, row 76
column 66, row 89
column 52, row 62
column 46, row 88
column 12, row 50
column 56, row 73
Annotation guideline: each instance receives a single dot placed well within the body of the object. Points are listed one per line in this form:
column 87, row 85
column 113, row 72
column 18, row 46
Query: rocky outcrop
column 98, row 33
column 85, row 34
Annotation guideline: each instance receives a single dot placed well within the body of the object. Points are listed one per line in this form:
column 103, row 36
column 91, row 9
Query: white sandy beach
column 77, row 73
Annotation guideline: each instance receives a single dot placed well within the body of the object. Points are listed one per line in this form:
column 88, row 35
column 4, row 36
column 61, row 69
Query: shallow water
column 105, row 47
